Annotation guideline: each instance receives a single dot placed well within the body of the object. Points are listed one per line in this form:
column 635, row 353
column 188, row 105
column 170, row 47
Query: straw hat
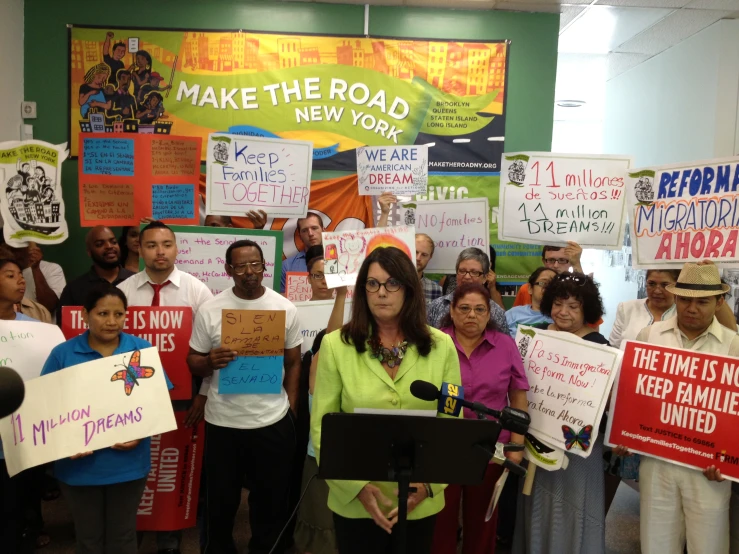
column 698, row 281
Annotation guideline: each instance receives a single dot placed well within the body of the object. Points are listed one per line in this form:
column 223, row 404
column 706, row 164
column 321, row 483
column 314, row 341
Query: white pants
column 677, row 502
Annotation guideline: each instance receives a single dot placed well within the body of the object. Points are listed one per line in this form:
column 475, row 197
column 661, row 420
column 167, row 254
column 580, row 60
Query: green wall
column 533, row 61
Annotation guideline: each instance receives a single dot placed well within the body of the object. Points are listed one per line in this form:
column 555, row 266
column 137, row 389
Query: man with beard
column 123, row 103
column 103, row 249
column 250, row 437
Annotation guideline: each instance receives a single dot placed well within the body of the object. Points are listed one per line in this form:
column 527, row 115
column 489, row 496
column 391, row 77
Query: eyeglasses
column 479, row 310
column 542, row 284
column 391, row 285
column 240, row 269
column 654, row 285
column 317, row 276
column 475, row 274
column 555, row 261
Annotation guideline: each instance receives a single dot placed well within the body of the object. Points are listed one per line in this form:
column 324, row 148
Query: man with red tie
column 162, row 284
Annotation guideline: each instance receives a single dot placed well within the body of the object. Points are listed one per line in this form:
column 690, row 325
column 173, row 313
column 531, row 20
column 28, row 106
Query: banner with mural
column 338, row 92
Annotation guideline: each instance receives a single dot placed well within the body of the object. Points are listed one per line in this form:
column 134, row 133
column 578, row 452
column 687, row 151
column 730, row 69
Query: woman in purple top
column 493, row 374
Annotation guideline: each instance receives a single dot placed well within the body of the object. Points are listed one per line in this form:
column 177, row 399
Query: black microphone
column 451, row 400
column 12, row 391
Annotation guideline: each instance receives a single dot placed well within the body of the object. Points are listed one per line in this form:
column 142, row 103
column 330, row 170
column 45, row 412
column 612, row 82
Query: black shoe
column 169, row 551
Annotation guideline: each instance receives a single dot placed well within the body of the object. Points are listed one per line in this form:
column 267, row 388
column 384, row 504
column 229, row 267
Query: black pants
column 265, row 457
column 20, row 509
column 363, row 536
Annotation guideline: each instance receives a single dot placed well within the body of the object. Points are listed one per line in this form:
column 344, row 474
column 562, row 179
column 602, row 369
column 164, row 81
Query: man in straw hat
column 677, row 501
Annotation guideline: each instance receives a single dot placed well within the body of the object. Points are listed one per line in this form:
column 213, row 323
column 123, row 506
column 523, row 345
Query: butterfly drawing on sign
column 582, row 439
column 133, row 372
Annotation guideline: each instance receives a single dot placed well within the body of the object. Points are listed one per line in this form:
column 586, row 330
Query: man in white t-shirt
column 162, row 284
column 248, row 435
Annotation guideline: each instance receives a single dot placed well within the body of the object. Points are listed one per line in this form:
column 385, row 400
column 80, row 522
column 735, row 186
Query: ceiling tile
column 675, row 28
column 643, row 3
column 728, row 5
column 569, row 13
column 618, row 62
column 601, row 29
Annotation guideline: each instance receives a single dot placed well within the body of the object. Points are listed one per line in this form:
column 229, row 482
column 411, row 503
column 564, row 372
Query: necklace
column 390, row 356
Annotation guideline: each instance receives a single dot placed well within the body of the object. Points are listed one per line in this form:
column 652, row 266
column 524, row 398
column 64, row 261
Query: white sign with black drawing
column 32, row 206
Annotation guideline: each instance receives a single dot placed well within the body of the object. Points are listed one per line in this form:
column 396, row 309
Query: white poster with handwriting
column 344, row 251
column 254, row 173
column 550, row 198
column 313, row 317
column 87, row 407
column 396, row 169
column 25, row 345
column 201, row 252
column 570, row 380
column 453, row 225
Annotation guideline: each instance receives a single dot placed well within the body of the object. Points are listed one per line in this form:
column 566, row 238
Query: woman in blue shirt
column 103, row 488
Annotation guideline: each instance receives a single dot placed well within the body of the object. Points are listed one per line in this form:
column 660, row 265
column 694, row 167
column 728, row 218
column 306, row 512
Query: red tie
column 157, row 288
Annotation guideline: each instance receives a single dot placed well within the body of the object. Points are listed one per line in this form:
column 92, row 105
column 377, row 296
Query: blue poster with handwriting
column 252, row 375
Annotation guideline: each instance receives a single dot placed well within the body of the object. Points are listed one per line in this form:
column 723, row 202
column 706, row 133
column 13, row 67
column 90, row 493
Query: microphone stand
column 510, row 447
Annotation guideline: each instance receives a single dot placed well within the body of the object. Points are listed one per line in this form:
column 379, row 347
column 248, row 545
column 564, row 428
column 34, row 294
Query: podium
column 405, row 450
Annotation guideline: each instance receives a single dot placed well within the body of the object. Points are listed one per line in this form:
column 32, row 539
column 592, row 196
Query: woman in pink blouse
column 493, row 374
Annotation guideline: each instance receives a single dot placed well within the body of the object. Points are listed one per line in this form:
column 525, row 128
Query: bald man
column 102, row 248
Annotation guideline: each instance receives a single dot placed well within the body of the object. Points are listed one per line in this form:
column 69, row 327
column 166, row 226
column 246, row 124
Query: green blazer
column 346, row 380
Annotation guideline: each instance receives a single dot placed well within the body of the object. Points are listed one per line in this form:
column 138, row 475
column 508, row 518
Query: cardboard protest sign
column 396, row 169
column 167, row 328
column 170, row 499
column 259, row 338
column 688, row 407
column 313, row 318
column 202, row 253
column 297, row 286
column 552, row 198
column 254, row 173
column 684, row 213
column 125, row 177
column 569, row 381
column 453, row 225
column 344, row 251
column 86, row 407
column 25, row 345
column 32, row 207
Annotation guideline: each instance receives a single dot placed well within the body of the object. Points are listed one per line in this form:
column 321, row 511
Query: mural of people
column 114, row 59
column 152, row 86
column 32, row 200
column 151, row 109
column 123, row 103
column 140, row 71
column 91, row 92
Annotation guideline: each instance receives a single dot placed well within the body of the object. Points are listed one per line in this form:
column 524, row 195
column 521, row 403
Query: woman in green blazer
column 370, row 363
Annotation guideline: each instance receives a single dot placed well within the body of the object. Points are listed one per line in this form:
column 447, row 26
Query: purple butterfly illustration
column 132, row 373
